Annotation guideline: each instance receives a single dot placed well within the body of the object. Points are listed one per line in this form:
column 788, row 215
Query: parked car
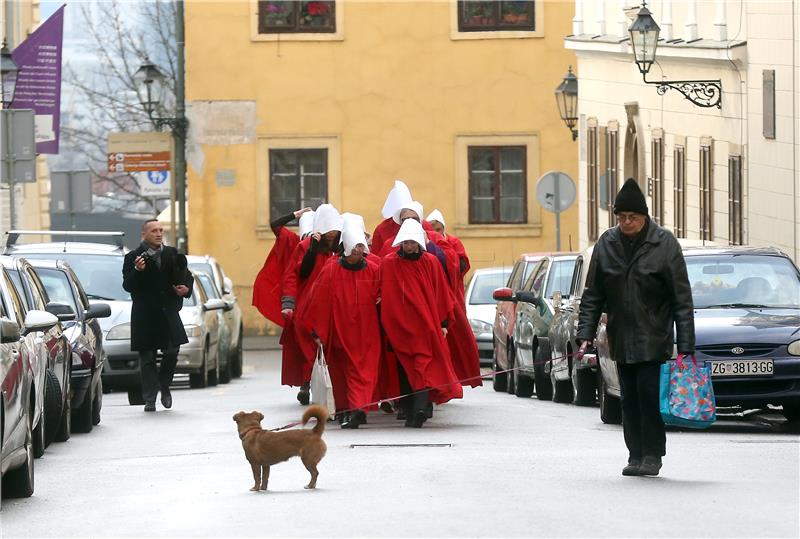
column 233, row 315
column 482, row 308
column 505, row 317
column 224, row 356
column 85, row 339
column 99, row 268
column 574, row 381
column 18, row 395
column 53, row 356
column 199, row 357
column 746, row 311
column 553, row 273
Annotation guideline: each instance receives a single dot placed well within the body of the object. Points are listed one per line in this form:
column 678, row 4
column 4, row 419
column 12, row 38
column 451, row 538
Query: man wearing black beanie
column 637, row 275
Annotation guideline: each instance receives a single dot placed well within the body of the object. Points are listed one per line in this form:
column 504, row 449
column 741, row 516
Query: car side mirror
column 213, row 305
column 39, row 321
column 98, row 310
column 228, row 305
column 503, row 294
column 227, row 285
column 9, row 331
column 529, row 297
column 62, row 311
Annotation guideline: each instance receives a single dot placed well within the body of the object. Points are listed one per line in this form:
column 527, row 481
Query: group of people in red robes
column 386, row 309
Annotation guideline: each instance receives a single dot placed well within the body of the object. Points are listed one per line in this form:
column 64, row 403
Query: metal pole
column 557, row 208
column 179, row 132
column 10, row 158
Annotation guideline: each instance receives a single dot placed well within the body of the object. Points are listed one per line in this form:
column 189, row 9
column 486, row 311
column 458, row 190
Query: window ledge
column 496, row 34
column 498, row 231
column 289, row 36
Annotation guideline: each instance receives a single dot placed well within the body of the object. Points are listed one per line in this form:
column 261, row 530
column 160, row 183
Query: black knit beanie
column 630, row 198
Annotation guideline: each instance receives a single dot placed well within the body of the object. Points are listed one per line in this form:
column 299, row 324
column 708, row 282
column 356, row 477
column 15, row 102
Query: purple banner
column 39, row 80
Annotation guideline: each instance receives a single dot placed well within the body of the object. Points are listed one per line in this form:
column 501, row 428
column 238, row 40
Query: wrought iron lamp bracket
column 703, row 93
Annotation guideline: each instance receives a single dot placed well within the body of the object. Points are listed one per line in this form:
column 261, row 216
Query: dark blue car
column 747, row 323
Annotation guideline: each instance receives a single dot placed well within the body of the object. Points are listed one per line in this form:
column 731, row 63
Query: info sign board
column 146, row 156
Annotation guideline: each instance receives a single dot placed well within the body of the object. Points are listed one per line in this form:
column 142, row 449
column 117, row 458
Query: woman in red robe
column 415, row 311
column 397, row 197
column 308, row 259
column 341, row 314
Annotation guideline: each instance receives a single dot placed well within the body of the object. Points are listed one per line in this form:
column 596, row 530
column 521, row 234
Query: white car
column 199, row 357
column 481, row 307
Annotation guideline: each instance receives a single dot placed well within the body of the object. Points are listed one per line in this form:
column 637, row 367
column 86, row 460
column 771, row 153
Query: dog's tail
column 320, row 413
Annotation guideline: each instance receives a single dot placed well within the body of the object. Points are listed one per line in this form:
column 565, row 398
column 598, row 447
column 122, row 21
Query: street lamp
column 567, row 100
column 8, row 73
column 644, row 39
column 150, row 84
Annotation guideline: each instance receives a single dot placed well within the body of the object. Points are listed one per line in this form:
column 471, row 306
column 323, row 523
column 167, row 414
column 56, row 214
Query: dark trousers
column 153, row 378
column 411, row 404
column 641, row 418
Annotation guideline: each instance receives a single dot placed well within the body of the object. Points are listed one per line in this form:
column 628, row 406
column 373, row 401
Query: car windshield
column 57, row 286
column 485, row 284
column 560, row 277
column 100, row 275
column 205, row 267
column 721, row 281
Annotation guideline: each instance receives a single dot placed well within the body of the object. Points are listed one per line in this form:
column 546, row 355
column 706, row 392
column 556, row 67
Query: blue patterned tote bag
column 687, row 394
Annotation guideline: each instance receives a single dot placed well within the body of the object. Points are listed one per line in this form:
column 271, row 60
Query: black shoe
column 632, row 468
column 354, row 420
column 304, row 396
column 650, row 466
column 417, row 420
column 429, row 410
column 166, row 398
column 401, row 414
column 386, row 407
column 150, row 407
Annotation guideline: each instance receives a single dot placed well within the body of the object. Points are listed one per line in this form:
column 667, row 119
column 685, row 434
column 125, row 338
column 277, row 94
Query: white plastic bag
column 321, row 386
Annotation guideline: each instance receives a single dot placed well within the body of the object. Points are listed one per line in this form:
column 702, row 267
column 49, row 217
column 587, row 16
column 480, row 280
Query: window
column 591, row 174
column 612, row 172
column 17, row 307
column 657, row 176
column 679, row 158
column 536, row 280
column 706, row 192
column 603, row 194
column 58, row 287
column 560, row 278
column 497, row 184
column 735, row 216
column 481, row 16
column 289, row 16
column 298, row 178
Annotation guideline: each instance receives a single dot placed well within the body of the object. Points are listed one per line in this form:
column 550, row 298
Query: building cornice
column 701, row 49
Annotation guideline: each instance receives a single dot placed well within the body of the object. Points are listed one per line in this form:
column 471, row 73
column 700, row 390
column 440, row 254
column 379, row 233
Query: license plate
column 742, row 367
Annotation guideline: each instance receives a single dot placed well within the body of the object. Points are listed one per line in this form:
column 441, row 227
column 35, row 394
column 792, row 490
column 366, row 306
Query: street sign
column 18, row 146
column 556, row 192
column 138, row 162
column 139, row 152
column 71, row 192
column 154, row 183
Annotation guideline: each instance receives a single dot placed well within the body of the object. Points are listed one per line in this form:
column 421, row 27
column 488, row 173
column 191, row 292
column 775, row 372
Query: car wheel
column 19, row 483
column 544, row 387
column 38, row 437
column 213, row 375
column 135, row 397
column 226, row 372
column 524, row 386
column 237, row 362
column 53, row 407
column 82, row 418
column 97, row 405
column 792, row 413
column 499, row 380
column 511, row 387
column 610, row 407
column 583, row 387
column 562, row 389
column 200, row 380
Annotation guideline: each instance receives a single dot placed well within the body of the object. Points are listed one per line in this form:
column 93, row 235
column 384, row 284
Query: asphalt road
column 494, row 465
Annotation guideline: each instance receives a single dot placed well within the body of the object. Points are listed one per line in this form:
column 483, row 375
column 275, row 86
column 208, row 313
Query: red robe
column 299, row 349
column 415, row 300
column 386, row 229
column 458, row 247
column 267, row 286
column 341, row 309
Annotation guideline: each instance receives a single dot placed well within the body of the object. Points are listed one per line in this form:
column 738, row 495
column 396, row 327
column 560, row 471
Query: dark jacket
column 643, row 298
column 155, row 322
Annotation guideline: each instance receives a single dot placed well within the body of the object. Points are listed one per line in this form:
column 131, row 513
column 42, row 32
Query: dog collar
column 248, row 431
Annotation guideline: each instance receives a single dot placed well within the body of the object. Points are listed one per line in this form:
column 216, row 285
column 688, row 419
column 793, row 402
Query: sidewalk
column 261, row 342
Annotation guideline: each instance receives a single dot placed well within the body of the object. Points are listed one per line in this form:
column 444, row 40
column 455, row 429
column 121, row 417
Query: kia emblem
column 738, row 350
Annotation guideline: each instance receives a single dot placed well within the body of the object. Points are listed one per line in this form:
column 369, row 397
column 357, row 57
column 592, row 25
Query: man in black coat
column 158, row 279
column 637, row 275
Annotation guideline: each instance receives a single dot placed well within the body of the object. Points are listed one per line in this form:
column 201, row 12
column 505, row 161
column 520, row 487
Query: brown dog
column 264, row 448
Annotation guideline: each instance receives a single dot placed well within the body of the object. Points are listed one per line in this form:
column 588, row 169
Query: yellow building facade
column 456, row 102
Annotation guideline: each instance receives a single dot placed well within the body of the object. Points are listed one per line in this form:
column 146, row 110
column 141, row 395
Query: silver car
column 233, row 315
column 224, row 343
column 199, row 357
column 482, row 308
